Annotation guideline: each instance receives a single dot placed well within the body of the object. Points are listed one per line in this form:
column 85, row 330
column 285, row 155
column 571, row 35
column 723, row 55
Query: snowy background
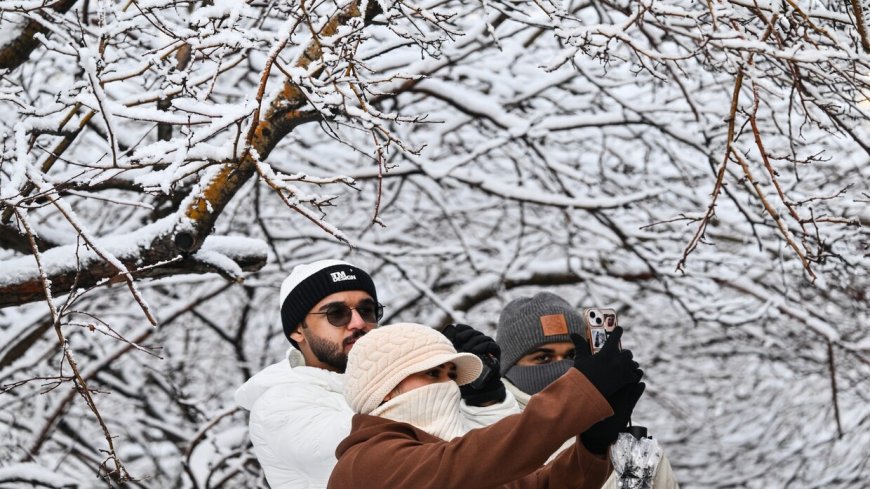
column 702, row 167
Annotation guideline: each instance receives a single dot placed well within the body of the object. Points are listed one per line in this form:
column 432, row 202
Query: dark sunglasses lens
column 338, row 315
column 370, row 313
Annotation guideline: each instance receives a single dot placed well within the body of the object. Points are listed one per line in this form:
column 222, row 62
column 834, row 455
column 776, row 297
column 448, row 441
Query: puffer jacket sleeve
column 295, row 429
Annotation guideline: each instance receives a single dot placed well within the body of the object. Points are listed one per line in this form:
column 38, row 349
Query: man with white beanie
column 298, row 410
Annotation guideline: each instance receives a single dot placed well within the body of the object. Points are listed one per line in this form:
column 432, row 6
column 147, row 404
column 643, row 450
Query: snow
column 9, row 189
column 511, row 149
column 37, row 475
column 221, row 251
column 62, row 259
column 13, row 24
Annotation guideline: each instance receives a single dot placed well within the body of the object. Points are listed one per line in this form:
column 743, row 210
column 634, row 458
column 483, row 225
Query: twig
column 713, row 20
column 786, row 234
column 203, row 431
column 729, row 149
column 56, row 379
column 753, row 121
column 773, row 178
column 810, row 22
column 66, row 211
column 833, row 370
column 720, row 175
column 380, row 178
column 80, row 383
column 54, row 155
column 256, row 124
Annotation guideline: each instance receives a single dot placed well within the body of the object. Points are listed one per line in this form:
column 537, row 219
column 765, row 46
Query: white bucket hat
column 385, row 356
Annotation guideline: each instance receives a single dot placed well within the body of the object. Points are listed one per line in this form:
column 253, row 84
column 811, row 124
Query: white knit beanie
column 385, row 356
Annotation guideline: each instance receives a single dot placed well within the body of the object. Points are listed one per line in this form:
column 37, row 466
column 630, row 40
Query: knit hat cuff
column 514, row 354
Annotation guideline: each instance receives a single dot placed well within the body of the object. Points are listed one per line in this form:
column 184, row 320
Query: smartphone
column 599, row 324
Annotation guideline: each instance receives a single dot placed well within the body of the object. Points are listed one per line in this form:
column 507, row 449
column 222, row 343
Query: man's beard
column 329, row 352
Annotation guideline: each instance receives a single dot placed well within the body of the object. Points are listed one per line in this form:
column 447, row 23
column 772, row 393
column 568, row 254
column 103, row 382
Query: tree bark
column 17, row 51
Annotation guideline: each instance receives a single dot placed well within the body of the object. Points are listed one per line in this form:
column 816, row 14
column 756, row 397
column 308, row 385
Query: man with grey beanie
column 535, row 337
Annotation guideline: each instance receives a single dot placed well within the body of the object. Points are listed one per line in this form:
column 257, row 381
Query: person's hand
column 488, row 388
column 611, row 368
column 602, row 434
column 469, row 340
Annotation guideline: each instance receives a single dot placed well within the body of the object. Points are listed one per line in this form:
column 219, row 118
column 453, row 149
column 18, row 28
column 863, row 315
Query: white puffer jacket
column 299, row 416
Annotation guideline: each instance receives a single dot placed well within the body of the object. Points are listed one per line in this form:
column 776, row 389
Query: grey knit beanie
column 527, row 322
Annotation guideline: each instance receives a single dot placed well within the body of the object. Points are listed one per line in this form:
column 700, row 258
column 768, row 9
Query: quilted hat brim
column 386, row 356
column 468, row 366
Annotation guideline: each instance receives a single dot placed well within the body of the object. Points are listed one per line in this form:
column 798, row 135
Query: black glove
column 611, row 368
column 469, row 340
column 488, row 388
column 603, row 433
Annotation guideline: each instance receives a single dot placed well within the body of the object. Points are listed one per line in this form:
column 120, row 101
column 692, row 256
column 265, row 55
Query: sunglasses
column 339, row 314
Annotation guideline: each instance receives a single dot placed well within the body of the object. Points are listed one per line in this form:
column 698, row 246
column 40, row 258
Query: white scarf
column 433, row 408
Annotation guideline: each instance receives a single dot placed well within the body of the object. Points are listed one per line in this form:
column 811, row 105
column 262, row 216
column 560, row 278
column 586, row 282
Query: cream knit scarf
column 433, row 408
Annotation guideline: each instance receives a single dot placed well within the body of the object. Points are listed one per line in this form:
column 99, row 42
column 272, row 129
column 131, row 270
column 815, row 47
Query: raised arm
column 509, row 451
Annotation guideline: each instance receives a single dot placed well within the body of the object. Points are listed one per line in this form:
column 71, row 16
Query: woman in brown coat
column 403, row 383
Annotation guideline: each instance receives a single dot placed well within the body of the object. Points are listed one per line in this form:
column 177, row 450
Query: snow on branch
column 146, row 253
column 701, row 166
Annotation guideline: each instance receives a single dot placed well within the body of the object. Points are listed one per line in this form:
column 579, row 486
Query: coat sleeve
column 508, row 454
column 295, row 430
column 574, row 467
